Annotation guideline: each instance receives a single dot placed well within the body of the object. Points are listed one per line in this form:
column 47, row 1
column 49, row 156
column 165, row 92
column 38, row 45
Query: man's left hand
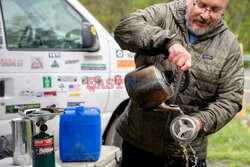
column 197, row 121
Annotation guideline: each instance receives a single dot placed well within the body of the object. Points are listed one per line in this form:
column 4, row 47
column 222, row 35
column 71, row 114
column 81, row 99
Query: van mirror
column 90, row 41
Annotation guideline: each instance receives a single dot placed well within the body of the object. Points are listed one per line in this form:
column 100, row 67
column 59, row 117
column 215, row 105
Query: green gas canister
column 43, row 148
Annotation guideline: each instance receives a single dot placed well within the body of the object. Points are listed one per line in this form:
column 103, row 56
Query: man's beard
column 198, row 32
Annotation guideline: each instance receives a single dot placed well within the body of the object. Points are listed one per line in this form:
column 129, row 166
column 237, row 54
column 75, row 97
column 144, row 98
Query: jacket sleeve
column 142, row 30
column 228, row 100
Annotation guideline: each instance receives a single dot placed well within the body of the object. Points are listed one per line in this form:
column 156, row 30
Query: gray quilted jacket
column 214, row 94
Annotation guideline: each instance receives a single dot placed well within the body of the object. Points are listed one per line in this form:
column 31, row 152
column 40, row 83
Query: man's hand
column 197, row 121
column 179, row 56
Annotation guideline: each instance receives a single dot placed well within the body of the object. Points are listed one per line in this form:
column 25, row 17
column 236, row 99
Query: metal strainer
column 183, row 129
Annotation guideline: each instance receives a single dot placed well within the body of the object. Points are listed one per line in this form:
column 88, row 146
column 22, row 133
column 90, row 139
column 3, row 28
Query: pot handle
column 164, row 107
column 186, row 73
column 186, row 82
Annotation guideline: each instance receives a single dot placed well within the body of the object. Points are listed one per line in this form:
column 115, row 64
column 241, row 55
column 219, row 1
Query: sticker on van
column 74, row 88
column 12, row 109
column 125, row 64
column 11, row 62
column 54, row 55
column 47, row 82
column 67, row 78
column 37, row 63
column 93, row 66
column 84, row 79
column 72, row 61
column 27, row 94
column 119, row 53
column 74, row 95
column 93, row 57
column 46, row 94
column 55, row 64
column 61, row 87
column 74, row 104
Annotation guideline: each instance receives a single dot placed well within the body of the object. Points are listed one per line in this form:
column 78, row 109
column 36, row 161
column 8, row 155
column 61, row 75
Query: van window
column 47, row 24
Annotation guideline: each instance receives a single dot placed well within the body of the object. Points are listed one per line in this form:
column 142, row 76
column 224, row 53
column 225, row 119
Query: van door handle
column 2, row 88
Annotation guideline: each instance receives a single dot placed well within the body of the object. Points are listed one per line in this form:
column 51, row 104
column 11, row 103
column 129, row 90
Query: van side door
column 50, row 54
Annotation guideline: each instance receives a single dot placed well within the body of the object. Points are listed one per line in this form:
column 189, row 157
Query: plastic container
column 80, row 134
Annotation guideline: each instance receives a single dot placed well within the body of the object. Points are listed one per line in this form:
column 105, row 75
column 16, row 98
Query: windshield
column 52, row 24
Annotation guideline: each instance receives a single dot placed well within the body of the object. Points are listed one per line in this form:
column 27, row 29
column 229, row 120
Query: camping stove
column 43, row 142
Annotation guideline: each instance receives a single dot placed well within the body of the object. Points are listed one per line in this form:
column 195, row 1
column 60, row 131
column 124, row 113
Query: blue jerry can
column 80, row 134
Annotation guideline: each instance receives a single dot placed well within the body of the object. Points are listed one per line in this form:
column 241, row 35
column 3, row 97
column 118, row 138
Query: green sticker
column 93, row 66
column 55, row 64
column 47, row 82
column 12, row 109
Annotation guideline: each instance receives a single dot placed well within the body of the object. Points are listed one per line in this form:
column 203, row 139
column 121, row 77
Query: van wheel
column 113, row 138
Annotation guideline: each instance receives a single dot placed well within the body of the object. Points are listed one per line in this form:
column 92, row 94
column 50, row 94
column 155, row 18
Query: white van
column 54, row 52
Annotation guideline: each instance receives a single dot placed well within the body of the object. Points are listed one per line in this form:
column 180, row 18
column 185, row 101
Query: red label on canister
column 43, row 142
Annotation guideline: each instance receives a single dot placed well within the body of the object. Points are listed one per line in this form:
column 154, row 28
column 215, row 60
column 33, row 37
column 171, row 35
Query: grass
column 246, row 64
column 231, row 144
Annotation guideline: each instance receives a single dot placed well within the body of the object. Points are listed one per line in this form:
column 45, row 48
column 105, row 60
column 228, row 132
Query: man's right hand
column 180, row 57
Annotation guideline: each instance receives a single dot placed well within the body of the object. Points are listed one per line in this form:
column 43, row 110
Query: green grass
column 248, row 111
column 231, row 144
column 246, row 64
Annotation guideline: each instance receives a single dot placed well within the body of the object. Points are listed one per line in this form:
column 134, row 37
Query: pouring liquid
column 184, row 146
column 185, row 150
column 193, row 151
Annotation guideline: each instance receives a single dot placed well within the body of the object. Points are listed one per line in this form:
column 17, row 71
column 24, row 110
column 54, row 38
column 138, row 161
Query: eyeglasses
column 213, row 11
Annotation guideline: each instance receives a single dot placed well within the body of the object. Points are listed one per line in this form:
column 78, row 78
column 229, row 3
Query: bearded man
column 198, row 40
